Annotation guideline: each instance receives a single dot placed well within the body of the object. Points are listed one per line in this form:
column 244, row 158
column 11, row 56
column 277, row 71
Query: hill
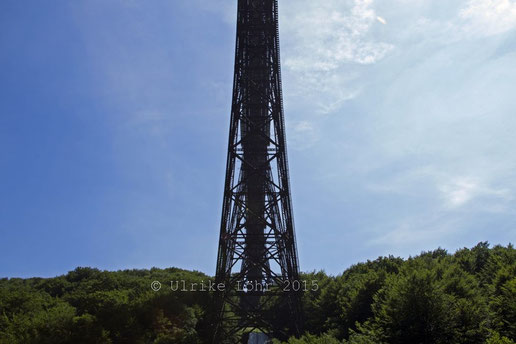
column 436, row 297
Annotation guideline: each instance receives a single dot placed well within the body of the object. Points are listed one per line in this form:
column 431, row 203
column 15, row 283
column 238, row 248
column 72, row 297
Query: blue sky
column 114, row 119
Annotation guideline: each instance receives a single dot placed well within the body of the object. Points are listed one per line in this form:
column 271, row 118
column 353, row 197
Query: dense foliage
column 468, row 297
column 92, row 306
column 436, row 297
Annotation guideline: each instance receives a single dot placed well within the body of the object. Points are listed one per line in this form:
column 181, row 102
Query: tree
column 413, row 308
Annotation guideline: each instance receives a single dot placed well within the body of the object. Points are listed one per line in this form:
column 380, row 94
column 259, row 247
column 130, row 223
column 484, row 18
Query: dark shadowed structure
column 257, row 256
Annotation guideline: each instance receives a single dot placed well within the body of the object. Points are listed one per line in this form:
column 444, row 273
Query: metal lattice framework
column 257, row 246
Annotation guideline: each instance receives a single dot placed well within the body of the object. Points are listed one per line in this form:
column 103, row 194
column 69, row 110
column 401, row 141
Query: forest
column 436, row 297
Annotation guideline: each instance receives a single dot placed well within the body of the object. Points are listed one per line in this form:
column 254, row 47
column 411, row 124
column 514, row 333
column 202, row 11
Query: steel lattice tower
column 257, row 244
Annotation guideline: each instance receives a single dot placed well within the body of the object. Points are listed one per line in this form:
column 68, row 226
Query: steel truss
column 257, row 255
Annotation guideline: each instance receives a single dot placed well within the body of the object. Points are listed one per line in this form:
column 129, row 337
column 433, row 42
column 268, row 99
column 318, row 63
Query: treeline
column 100, row 307
column 436, row 297
column 468, row 297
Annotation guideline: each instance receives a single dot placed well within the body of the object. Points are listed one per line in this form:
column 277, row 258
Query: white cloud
column 460, row 191
column 489, row 17
column 463, row 190
column 322, row 37
column 304, row 135
column 325, row 47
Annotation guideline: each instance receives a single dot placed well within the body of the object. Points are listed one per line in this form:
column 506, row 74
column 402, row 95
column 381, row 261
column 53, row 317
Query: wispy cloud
column 402, row 111
column 461, row 191
column 489, row 17
column 323, row 37
column 304, row 135
column 326, row 48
